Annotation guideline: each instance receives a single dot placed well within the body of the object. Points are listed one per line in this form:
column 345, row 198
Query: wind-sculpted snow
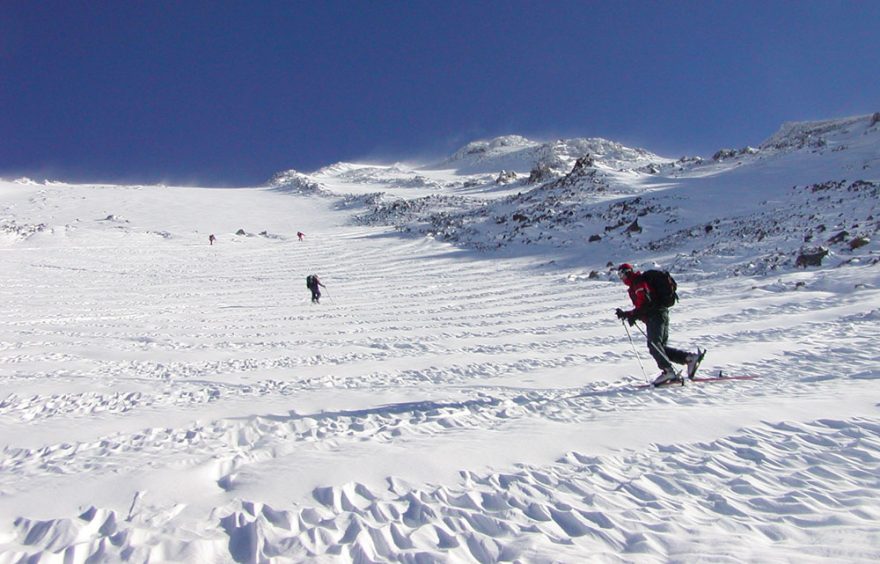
column 796, row 490
column 167, row 399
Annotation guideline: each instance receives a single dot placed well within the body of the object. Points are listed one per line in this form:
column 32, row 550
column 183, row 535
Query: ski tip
column 721, row 374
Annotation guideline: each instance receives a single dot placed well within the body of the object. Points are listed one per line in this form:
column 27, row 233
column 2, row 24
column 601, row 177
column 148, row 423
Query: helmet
column 624, row 270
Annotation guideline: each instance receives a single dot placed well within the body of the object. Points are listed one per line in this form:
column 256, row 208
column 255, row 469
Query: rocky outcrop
column 811, row 257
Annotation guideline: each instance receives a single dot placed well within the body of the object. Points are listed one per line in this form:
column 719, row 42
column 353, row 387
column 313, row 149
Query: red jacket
column 640, row 294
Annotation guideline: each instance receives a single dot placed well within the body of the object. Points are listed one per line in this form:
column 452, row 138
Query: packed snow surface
column 463, row 392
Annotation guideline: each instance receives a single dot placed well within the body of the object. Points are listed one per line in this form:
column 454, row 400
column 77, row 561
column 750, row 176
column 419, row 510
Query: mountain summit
column 521, row 155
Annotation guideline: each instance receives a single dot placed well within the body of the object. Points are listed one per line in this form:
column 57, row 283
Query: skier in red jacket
column 656, row 320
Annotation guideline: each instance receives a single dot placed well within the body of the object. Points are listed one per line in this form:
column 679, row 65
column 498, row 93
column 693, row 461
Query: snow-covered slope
column 463, row 396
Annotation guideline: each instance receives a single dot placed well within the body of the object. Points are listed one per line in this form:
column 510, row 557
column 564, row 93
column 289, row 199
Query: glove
column 629, row 316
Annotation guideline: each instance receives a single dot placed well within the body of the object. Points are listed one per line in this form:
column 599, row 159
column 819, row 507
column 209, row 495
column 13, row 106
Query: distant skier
column 314, row 284
column 300, row 235
column 211, row 239
column 655, row 316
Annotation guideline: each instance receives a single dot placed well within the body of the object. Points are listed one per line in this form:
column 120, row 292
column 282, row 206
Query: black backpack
column 310, row 281
column 663, row 287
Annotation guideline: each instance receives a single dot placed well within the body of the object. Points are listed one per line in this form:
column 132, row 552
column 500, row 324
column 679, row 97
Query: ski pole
column 633, row 345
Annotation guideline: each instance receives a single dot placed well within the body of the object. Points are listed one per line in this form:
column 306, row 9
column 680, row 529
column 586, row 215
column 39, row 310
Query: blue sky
column 227, row 93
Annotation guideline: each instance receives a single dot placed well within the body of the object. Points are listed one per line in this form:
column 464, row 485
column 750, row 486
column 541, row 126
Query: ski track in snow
column 480, row 346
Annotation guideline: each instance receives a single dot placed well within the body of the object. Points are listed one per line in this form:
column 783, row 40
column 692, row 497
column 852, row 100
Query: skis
column 722, row 378
column 697, row 380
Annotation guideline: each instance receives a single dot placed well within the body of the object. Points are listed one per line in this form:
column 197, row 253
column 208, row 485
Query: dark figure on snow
column 211, row 238
column 656, row 320
column 314, row 284
column 300, row 235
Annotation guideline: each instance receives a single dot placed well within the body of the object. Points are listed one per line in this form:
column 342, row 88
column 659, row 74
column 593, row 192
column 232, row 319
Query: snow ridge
column 816, row 134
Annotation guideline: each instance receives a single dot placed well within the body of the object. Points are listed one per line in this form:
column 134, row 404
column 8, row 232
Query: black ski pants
column 657, row 329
